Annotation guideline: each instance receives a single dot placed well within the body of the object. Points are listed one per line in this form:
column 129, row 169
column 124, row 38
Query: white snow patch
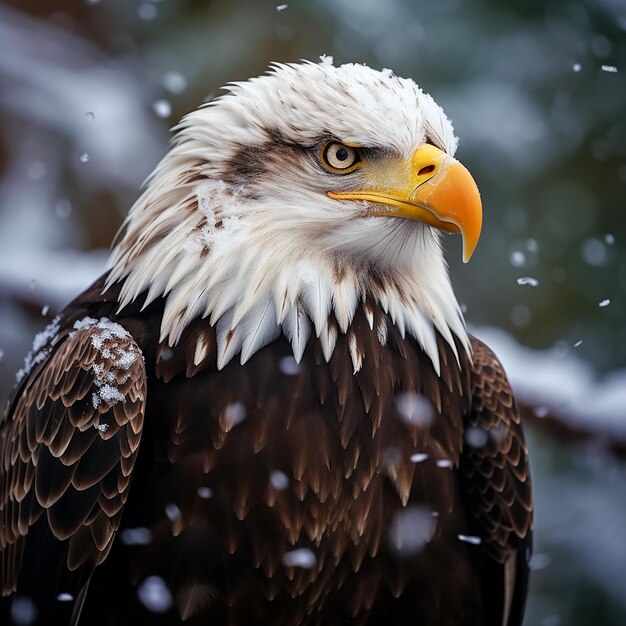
column 326, row 59
column 154, row 594
column 108, row 341
column 23, row 611
column 42, row 343
column 218, row 203
column 475, row 541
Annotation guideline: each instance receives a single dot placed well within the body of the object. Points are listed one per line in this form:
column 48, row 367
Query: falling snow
column 301, row 557
column 139, row 536
column 414, row 408
column 528, row 280
column 233, row 414
column 289, row 366
column 517, row 258
column 594, row 252
column 162, row 107
column 611, row 69
column 279, row 480
column 205, row 493
column 174, row 82
column 65, row 597
column 154, row 594
column 604, row 303
column 84, row 158
column 146, row 12
column 476, row 437
column 411, row 529
column 172, row 511
column 63, row 209
column 539, row 561
column 23, row 611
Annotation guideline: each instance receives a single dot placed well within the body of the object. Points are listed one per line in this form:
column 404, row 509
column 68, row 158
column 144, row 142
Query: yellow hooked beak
column 430, row 187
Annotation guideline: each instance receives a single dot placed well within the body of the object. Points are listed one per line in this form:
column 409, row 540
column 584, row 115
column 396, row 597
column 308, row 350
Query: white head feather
column 235, row 224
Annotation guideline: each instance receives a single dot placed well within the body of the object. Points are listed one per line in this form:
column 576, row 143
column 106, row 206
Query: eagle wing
column 495, row 475
column 68, row 443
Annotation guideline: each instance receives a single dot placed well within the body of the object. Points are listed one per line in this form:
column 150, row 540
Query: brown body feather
column 239, row 468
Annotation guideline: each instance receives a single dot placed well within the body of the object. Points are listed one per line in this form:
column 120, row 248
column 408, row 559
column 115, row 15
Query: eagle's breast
column 293, row 482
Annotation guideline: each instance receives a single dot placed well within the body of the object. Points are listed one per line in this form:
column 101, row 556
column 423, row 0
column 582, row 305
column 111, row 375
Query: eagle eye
column 340, row 158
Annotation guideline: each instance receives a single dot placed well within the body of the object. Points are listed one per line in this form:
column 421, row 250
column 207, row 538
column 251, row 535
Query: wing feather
column 495, row 474
column 68, row 444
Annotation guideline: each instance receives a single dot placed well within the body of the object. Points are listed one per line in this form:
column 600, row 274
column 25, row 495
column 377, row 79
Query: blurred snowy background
column 537, row 93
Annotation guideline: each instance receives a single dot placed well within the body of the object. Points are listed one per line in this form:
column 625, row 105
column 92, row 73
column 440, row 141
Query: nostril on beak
column 426, row 170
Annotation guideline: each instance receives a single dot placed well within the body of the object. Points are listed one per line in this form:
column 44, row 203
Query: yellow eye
column 339, row 157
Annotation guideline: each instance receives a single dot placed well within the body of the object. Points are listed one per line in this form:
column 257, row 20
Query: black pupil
column 342, row 154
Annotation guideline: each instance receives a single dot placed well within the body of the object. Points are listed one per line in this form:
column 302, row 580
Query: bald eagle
column 269, row 410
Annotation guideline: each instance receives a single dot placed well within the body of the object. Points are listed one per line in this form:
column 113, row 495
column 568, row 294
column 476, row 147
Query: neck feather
column 266, row 285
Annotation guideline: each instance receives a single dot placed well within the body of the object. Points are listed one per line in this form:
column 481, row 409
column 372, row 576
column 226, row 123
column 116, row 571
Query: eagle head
column 294, row 198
